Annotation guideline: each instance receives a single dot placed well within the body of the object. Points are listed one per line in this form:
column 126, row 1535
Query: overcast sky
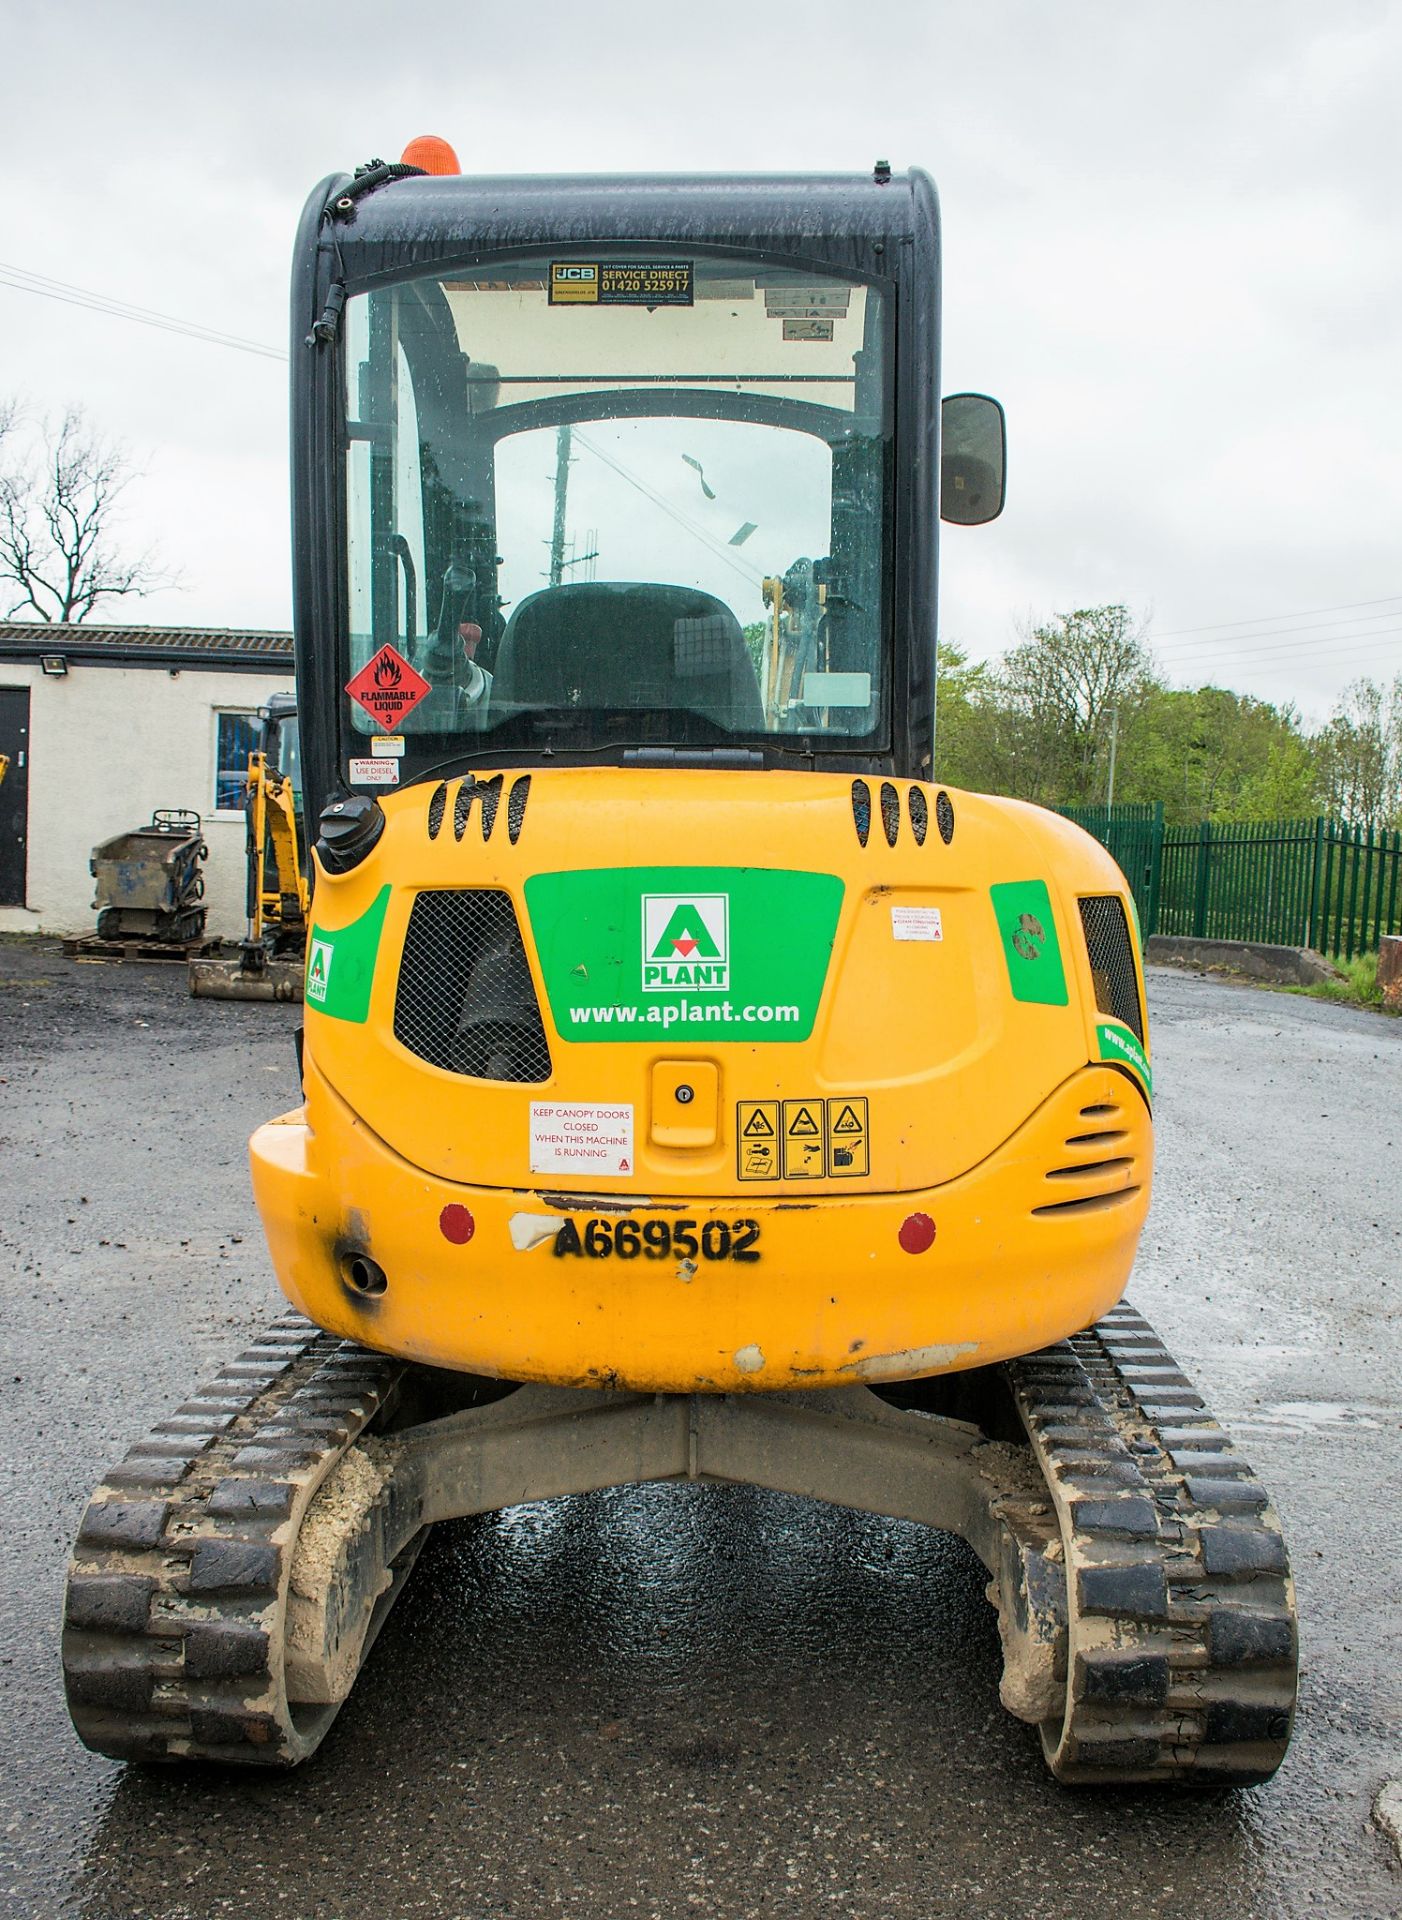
column 1171, row 249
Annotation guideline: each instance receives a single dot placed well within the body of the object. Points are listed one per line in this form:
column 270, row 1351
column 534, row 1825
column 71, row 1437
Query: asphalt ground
column 681, row 1700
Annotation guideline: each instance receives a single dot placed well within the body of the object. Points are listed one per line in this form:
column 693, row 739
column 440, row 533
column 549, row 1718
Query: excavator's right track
column 1181, row 1659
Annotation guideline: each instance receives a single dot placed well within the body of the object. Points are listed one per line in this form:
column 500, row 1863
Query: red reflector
column 917, row 1232
column 455, row 1223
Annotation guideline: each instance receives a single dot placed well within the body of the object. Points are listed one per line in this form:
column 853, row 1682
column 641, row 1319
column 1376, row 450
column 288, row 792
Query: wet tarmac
column 677, row 1700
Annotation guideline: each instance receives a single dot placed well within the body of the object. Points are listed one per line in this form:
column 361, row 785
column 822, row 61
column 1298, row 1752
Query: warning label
column 388, row 687
column 803, row 1139
column 581, row 1139
column 757, row 1139
column 849, row 1143
column 620, row 283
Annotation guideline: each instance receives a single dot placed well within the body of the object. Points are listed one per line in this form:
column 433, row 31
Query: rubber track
column 1182, row 1632
column 172, row 1641
column 1182, row 1638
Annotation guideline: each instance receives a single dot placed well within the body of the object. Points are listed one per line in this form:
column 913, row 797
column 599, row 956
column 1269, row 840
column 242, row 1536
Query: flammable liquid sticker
column 389, row 687
column 341, row 963
column 1117, row 1043
column 705, row 953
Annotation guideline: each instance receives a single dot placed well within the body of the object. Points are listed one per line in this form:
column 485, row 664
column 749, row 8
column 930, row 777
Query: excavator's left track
column 172, row 1643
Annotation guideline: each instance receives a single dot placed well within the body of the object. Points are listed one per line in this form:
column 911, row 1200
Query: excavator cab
column 694, row 1086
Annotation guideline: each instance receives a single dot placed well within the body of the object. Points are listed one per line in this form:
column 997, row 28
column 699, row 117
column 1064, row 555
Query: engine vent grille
column 436, row 807
column 944, row 816
column 890, row 812
column 466, row 1001
column 861, row 809
column 1112, row 960
column 516, row 808
column 919, row 815
column 490, row 790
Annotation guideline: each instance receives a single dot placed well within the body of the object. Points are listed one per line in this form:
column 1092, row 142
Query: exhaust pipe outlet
column 363, row 1275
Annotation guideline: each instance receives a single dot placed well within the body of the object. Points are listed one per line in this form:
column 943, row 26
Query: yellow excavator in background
column 272, row 956
column 694, row 1087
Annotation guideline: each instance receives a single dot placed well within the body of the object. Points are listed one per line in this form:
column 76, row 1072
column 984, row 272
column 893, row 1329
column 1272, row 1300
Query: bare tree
column 58, row 540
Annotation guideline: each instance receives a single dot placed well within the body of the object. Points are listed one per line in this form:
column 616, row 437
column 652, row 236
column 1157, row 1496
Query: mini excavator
column 694, row 1086
column 271, row 958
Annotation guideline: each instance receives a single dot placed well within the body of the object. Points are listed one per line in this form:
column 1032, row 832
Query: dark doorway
column 14, row 794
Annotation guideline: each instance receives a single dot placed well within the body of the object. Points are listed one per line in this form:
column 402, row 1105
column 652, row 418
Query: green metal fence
column 1297, row 883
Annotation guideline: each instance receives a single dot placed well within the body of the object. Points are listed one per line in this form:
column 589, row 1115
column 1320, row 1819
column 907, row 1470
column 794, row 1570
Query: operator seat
column 628, row 644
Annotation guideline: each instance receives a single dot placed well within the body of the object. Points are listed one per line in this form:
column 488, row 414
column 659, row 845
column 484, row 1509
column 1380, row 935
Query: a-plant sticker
column 319, row 970
column 341, row 963
column 686, row 942
column 693, row 953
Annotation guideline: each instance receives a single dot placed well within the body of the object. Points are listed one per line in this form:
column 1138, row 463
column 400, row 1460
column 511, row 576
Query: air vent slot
column 437, row 807
column 490, row 791
column 1091, row 1169
column 1091, row 1203
column 462, row 806
column 1096, row 1139
column 1104, row 1110
column 890, row 812
column 861, row 809
column 516, row 808
column 465, row 1000
column 1111, row 953
column 944, row 816
column 919, row 816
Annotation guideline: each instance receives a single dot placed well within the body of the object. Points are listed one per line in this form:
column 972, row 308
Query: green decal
column 341, row 963
column 1119, row 1044
column 1024, row 913
column 704, row 953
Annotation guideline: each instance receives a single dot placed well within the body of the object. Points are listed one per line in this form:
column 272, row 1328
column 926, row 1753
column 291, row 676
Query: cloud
column 1170, row 250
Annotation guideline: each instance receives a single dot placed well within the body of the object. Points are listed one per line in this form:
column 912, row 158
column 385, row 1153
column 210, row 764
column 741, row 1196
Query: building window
column 235, row 737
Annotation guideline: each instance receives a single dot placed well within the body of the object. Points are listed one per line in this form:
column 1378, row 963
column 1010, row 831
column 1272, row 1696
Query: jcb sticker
column 620, row 283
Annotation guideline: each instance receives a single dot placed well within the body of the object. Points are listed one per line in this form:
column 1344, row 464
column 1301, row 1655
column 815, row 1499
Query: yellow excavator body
column 879, row 1120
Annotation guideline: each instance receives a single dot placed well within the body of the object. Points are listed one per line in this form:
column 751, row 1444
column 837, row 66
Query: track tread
column 1183, row 1643
column 172, row 1633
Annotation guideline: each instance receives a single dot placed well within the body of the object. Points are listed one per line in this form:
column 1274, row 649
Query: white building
column 101, row 726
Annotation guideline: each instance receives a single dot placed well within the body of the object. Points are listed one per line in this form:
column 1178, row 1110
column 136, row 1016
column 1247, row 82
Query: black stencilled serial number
column 625, row 1239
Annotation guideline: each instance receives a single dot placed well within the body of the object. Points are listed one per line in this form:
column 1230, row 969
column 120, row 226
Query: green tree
column 1360, row 754
column 1074, row 680
column 1209, row 753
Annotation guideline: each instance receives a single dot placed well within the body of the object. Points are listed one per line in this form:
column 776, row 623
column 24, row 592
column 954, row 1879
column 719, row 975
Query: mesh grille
column 516, row 808
column 944, row 816
column 462, row 806
column 466, row 1001
column 919, row 816
column 890, row 812
column 1112, row 960
column 861, row 809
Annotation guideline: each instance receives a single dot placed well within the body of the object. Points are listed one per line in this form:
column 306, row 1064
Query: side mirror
column 973, row 459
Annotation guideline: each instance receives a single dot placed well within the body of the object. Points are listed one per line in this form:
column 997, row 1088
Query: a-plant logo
column 319, row 970
column 686, row 942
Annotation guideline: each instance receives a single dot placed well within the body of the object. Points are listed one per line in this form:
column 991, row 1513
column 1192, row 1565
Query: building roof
column 223, row 648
